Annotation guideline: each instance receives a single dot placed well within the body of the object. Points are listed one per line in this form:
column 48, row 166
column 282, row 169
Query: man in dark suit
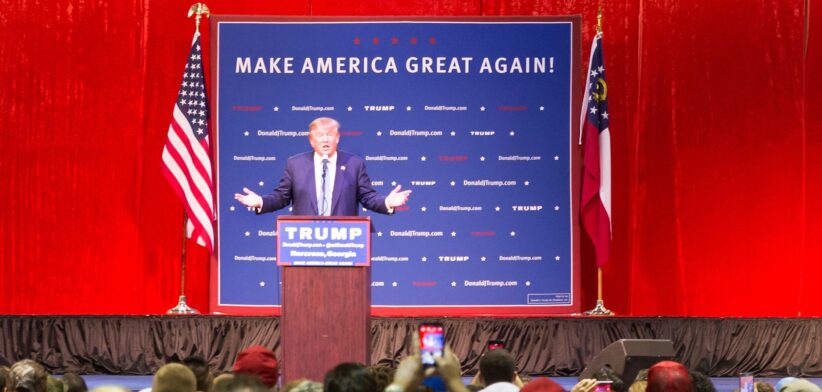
column 325, row 181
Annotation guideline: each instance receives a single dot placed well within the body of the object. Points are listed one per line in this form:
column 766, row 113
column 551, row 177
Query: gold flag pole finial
column 198, row 9
column 599, row 19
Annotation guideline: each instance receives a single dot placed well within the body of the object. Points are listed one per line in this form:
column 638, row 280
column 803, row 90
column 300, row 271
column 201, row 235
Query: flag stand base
column 599, row 310
column 182, row 308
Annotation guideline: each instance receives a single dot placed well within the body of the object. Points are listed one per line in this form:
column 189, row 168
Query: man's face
column 324, row 140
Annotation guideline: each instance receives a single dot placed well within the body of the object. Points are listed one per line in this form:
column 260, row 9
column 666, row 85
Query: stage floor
column 136, row 383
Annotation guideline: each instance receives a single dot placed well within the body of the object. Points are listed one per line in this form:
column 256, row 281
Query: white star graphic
column 379, row 133
column 422, row 158
column 247, row 234
column 542, row 108
column 276, row 108
column 496, row 208
column 453, row 183
column 512, row 133
column 245, row 133
column 513, row 233
column 231, row 208
column 556, row 157
column 556, row 258
column 605, row 115
column 423, row 209
column 424, row 258
column 453, row 234
column 556, row 208
column 350, row 108
column 601, row 68
column 593, row 110
column 482, row 258
column 453, row 133
column 482, row 108
column 482, row 158
column 379, row 234
column 527, row 282
column 262, row 183
column 408, row 108
column 262, row 284
column 527, row 183
column 393, row 284
column 453, row 284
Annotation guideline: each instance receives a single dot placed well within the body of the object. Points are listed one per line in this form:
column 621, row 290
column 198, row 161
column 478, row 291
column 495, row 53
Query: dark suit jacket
column 298, row 187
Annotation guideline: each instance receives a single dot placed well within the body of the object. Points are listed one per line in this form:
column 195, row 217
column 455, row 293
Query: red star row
column 395, row 40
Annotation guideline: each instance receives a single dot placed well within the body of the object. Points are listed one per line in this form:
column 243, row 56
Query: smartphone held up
column 432, row 342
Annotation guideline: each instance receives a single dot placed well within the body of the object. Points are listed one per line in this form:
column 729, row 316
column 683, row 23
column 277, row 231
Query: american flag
column 596, row 150
column 187, row 154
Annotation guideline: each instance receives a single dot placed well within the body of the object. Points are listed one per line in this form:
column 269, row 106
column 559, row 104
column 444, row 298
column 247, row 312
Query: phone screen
column 746, row 383
column 603, row 386
column 432, row 342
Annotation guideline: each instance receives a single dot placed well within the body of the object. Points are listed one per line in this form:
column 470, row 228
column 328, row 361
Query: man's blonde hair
column 323, row 122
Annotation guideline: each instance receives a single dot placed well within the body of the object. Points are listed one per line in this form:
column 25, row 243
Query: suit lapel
column 312, row 184
column 339, row 180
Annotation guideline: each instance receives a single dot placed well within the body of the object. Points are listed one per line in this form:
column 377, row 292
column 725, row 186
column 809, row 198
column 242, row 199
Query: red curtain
column 714, row 120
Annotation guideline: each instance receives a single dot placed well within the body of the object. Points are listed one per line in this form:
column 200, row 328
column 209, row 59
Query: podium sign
column 330, row 241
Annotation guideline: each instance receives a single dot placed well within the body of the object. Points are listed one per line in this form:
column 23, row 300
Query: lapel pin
column 342, row 167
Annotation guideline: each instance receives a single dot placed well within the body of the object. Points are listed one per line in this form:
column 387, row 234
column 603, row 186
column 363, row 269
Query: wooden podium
column 325, row 309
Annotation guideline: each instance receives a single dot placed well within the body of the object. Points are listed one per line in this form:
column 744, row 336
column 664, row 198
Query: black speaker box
column 628, row 356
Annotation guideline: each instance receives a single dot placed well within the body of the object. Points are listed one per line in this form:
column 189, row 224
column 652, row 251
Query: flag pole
column 599, row 309
column 198, row 9
column 182, row 307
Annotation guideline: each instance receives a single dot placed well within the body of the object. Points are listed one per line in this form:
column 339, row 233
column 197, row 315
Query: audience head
column 702, row 383
column 497, row 365
column 668, row 376
column 53, row 384
column 383, row 375
column 260, row 362
column 74, row 383
column 542, row 384
column 638, row 386
column 221, row 382
column 349, row 377
column 202, row 374
column 4, row 372
column 605, row 373
column 27, row 376
column 307, row 386
column 245, row 383
column 785, row 381
column 174, row 377
column 762, row 386
column 800, row 385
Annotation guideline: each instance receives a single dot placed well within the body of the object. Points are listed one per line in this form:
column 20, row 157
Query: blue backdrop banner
column 477, row 116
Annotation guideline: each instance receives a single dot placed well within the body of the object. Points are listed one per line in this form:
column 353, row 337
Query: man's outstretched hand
column 396, row 198
column 250, row 199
